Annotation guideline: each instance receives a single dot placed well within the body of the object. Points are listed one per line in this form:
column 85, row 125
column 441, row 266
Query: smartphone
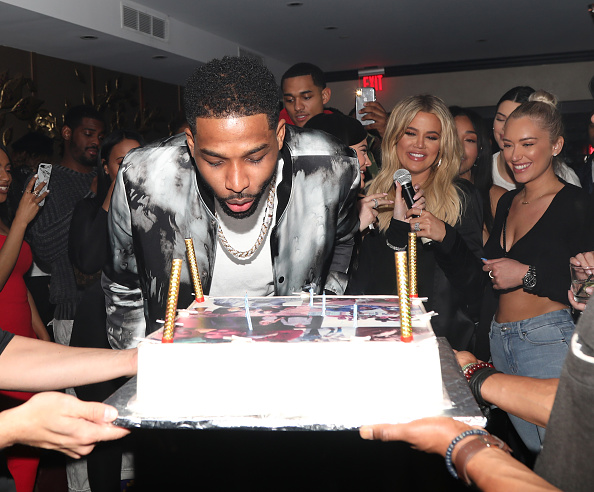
column 44, row 171
column 363, row 95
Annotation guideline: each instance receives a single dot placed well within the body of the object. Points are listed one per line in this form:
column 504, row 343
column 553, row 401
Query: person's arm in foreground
column 34, row 365
column 491, row 469
column 60, row 422
column 528, row 398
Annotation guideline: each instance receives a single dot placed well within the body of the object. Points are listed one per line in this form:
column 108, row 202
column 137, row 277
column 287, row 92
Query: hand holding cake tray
column 310, row 362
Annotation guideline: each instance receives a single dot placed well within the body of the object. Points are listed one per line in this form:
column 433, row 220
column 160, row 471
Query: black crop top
column 564, row 230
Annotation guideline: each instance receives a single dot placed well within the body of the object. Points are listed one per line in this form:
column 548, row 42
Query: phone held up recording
column 363, row 95
column 44, row 171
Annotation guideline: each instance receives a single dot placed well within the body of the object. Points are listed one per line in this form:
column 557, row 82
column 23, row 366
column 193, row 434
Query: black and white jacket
column 159, row 199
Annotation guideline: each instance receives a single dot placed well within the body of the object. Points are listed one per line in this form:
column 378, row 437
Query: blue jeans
column 534, row 347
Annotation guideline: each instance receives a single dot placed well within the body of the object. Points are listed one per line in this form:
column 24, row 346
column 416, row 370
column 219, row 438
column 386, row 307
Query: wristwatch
column 529, row 279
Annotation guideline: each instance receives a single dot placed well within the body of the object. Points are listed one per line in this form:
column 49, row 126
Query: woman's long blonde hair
column 441, row 193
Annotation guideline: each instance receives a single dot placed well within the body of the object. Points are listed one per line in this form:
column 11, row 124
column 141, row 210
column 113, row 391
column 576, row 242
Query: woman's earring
column 439, row 163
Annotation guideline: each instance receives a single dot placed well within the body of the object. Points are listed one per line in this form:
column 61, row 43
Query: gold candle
column 172, row 297
column 412, row 264
column 198, row 294
column 403, row 296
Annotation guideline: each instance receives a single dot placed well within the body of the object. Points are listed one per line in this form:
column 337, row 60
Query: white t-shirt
column 497, row 178
column 563, row 171
column 254, row 276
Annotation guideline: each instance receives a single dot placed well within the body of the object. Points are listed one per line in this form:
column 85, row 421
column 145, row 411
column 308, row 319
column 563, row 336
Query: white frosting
column 338, row 383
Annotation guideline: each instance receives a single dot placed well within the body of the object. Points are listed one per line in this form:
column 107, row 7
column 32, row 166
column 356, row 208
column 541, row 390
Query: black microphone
column 408, row 193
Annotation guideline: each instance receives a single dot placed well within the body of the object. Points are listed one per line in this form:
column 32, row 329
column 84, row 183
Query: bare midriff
column 518, row 304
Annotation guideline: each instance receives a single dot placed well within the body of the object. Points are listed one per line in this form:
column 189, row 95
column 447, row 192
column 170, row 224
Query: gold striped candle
column 412, row 264
column 403, row 296
column 198, row 294
column 172, row 297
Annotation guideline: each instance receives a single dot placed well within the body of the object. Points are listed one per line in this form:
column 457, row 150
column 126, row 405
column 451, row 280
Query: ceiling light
column 159, row 57
column 89, row 38
column 330, row 28
column 294, row 4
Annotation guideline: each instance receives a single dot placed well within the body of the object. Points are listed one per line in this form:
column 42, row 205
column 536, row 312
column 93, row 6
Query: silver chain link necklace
column 268, row 214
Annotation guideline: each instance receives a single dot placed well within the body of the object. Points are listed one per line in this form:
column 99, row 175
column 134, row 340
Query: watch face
column 529, row 280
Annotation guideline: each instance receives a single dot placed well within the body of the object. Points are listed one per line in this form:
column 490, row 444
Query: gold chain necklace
column 268, row 214
column 524, row 202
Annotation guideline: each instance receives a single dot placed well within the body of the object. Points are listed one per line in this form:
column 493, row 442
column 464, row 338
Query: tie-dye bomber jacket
column 159, row 199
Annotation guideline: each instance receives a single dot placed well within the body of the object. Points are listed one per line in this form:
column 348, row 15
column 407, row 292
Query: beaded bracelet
column 456, row 440
column 470, row 370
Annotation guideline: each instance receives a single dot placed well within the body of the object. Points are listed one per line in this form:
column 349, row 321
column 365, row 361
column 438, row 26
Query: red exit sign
column 374, row 81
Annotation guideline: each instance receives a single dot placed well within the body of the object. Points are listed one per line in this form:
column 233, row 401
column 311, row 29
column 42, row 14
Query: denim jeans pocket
column 549, row 334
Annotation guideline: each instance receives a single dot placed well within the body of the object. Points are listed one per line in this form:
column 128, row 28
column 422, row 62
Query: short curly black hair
column 301, row 69
column 75, row 115
column 231, row 87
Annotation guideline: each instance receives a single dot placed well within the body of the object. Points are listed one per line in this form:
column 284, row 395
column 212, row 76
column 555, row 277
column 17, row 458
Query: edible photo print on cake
column 294, row 319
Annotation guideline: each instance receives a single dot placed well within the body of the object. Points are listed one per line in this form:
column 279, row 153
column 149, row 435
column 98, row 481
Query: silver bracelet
column 395, row 248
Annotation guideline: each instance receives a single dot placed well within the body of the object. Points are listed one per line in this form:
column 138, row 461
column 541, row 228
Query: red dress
column 14, row 304
column 15, row 317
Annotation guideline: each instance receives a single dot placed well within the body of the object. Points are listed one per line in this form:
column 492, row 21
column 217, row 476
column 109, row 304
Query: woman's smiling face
column 528, row 149
column 418, row 149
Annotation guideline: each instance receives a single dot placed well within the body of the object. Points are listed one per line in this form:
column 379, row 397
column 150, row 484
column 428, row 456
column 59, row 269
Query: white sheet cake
column 310, row 362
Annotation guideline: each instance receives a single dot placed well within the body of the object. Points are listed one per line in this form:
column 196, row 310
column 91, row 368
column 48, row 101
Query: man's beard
column 87, row 161
column 239, row 196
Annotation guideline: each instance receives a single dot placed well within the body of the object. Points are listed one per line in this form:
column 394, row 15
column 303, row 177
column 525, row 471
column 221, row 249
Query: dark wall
column 45, row 87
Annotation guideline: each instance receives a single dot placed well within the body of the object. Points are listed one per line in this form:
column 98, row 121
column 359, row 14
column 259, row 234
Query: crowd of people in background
column 496, row 234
